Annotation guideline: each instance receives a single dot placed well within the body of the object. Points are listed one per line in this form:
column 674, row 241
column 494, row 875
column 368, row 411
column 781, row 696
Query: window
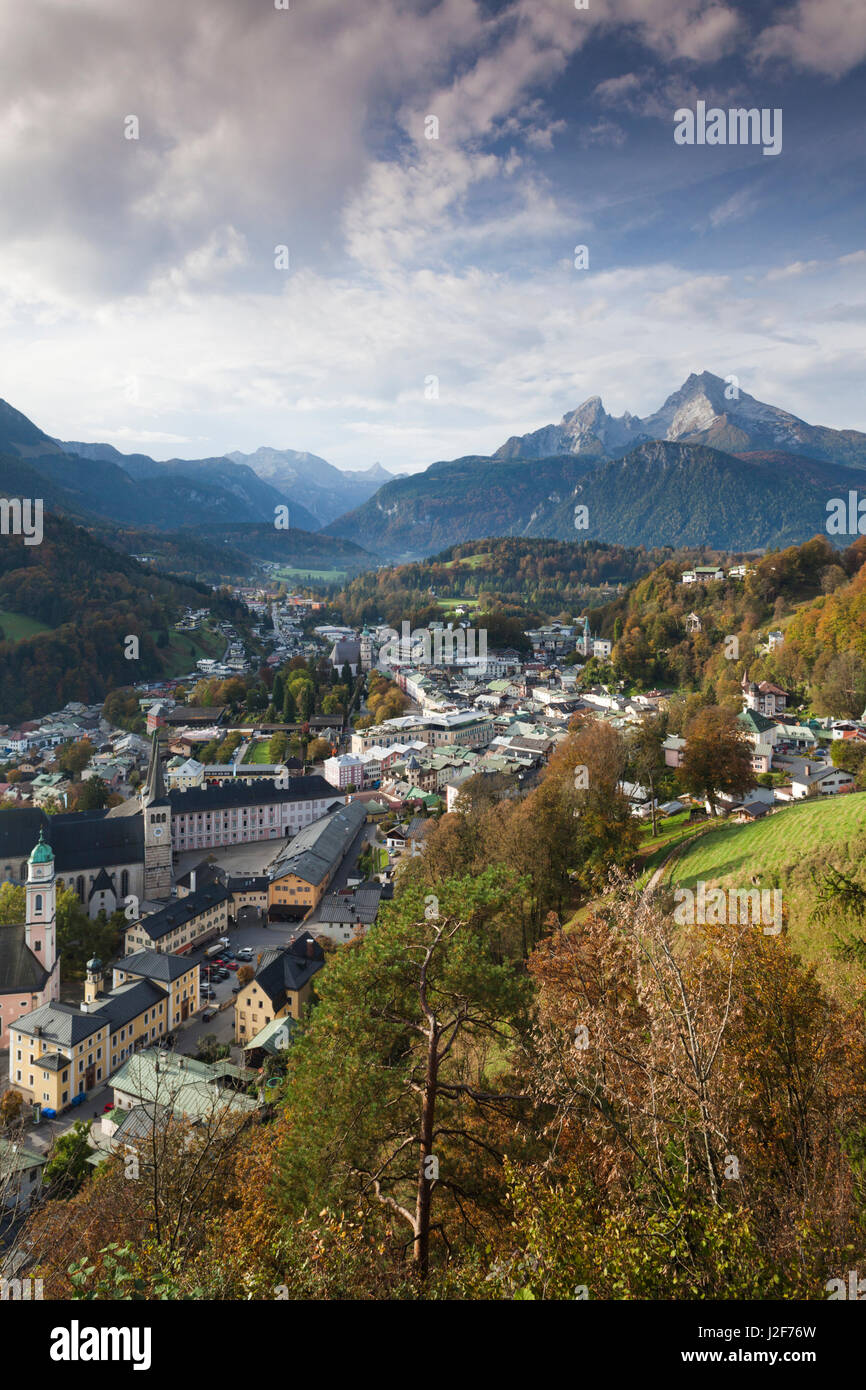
column 37, row 903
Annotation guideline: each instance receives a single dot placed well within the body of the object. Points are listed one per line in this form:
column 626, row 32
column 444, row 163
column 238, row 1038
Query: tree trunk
column 421, row 1248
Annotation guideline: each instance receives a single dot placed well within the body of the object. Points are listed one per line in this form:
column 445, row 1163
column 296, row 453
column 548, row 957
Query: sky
column 427, row 303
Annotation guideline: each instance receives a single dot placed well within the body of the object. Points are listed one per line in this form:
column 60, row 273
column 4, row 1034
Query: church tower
column 156, row 813
column 40, row 930
column 366, row 649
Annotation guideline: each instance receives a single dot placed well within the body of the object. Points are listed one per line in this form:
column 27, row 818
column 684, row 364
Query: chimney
column 310, row 945
column 192, row 880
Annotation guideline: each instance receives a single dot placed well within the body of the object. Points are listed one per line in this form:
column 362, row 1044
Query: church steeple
column 156, row 813
column 154, row 786
column 40, row 930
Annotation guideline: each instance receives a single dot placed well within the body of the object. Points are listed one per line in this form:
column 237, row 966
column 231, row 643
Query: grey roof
column 79, row 839
column 319, row 848
column 101, row 884
column 195, row 714
column 419, row 826
column 60, row 1023
column 154, row 787
column 237, row 792
column 16, row 1157
column 361, row 906
column 205, row 873
column 20, row 968
column 285, row 971
column 346, row 650
column 139, row 1122
column 53, row 1061
column 183, row 910
column 156, row 965
column 127, row 1001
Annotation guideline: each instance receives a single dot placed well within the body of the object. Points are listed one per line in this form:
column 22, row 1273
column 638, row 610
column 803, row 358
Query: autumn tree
column 319, row 748
column 13, row 903
column 73, row 757
column 717, row 757
column 391, row 1090
column 647, row 758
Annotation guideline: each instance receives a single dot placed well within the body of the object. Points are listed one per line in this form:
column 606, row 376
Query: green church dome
column 42, row 853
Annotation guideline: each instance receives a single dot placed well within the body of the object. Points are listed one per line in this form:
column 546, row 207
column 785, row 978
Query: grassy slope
column 17, row 626
column 784, row 849
column 177, row 657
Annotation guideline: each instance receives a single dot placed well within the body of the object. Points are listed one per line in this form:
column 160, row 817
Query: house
column 20, row 1175
column 674, row 749
column 341, row 915
column 167, row 1083
column 702, row 574
column 766, row 698
column 271, row 1039
column 817, row 781
column 282, row 986
column 190, row 920
column 754, row 810
column 693, row 624
column 59, row 1052
column 762, row 757
column 302, row 872
column 775, row 639
column 190, row 717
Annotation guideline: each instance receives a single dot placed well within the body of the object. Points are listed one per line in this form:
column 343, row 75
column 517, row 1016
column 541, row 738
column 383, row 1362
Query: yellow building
column 183, row 924
column 302, row 872
column 59, row 1052
column 282, row 987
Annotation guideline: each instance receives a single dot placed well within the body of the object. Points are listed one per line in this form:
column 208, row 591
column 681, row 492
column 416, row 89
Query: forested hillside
column 91, row 598
column 543, row 576
column 815, row 595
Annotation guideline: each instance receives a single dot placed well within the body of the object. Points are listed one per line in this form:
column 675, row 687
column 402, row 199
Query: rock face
column 706, row 409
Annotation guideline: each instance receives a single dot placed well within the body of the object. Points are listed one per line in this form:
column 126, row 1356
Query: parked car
column 227, row 954
column 231, row 965
column 222, row 973
column 236, row 989
column 245, row 953
column 223, row 940
column 208, row 1015
column 207, row 993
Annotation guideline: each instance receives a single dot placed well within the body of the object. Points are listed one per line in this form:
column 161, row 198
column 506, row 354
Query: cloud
column 137, row 279
column 694, row 29
column 734, row 209
column 602, row 132
column 826, row 36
